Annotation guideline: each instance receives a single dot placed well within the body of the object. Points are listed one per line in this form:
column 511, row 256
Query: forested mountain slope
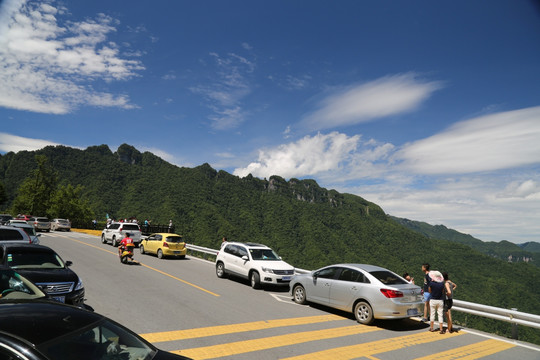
column 307, row 225
column 504, row 250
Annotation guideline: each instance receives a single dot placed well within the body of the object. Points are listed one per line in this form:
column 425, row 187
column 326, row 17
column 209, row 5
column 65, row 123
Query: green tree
column 35, row 192
column 3, row 195
column 67, row 203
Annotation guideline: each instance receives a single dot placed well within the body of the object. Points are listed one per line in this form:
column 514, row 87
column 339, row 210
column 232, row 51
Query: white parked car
column 117, row 231
column 369, row 292
column 256, row 262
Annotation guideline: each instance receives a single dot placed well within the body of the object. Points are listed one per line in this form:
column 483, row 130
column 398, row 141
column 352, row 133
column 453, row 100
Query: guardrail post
column 514, row 327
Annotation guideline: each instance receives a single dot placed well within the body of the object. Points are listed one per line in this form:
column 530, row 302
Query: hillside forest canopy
column 309, row 226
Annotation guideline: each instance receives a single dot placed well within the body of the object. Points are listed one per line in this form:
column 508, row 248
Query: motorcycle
column 126, row 253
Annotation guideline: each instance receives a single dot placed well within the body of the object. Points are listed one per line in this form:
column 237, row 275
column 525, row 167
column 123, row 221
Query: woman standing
column 448, row 302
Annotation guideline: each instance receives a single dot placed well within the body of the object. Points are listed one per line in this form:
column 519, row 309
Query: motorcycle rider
column 124, row 242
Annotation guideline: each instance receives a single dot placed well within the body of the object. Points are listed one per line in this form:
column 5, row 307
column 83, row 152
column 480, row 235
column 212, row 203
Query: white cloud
column 492, row 142
column 15, row 143
column 47, row 67
column 308, row 156
column 225, row 92
column 384, row 97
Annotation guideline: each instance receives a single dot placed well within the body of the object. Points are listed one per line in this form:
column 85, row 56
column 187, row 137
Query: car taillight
column 165, row 245
column 391, row 293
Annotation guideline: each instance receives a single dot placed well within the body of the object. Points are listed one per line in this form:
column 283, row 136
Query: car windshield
column 388, row 278
column 105, row 340
column 30, row 230
column 28, row 260
column 174, row 239
column 263, row 254
column 14, row 286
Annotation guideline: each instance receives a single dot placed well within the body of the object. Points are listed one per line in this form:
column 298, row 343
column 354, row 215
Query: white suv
column 256, row 262
column 117, row 231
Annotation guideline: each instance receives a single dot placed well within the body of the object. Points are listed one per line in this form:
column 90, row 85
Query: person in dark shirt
column 437, row 291
column 427, row 280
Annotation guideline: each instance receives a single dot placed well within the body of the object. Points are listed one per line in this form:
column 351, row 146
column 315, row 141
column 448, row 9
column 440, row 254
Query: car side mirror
column 69, row 263
column 38, row 235
column 245, row 258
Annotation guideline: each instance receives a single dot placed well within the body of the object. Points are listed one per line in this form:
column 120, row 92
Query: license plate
column 61, row 299
column 177, row 252
column 412, row 312
column 286, row 278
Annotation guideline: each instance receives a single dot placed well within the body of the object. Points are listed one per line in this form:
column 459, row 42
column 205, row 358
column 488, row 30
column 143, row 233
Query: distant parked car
column 28, row 229
column 256, row 262
column 40, row 223
column 45, row 268
column 14, row 286
column 369, row 292
column 45, row 330
column 60, row 224
column 117, row 231
column 9, row 234
column 23, row 217
column 4, row 218
column 164, row 244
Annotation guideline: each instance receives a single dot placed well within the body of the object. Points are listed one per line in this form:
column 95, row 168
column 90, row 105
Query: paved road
column 181, row 306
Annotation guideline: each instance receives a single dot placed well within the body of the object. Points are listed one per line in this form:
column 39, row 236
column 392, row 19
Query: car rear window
column 388, row 278
column 130, row 227
column 174, row 239
column 42, row 219
column 10, row 235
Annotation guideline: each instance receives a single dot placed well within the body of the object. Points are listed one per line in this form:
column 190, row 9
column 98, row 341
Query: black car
column 4, row 218
column 45, row 268
column 45, row 330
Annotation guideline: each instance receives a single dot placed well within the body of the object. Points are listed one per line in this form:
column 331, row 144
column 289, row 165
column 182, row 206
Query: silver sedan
column 369, row 292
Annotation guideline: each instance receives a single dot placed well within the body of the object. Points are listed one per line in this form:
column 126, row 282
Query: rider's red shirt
column 126, row 240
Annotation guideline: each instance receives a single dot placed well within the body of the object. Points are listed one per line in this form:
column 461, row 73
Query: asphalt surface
column 181, row 306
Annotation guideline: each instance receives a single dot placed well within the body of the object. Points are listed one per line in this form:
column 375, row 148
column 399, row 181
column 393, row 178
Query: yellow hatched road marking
column 473, row 351
column 235, row 328
column 374, row 347
column 241, row 347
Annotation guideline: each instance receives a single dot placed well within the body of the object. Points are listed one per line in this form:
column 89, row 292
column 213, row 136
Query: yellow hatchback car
column 164, row 244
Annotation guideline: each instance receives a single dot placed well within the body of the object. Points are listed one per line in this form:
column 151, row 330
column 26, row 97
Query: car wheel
column 160, row 254
column 363, row 313
column 103, row 240
column 114, row 241
column 141, row 248
column 299, row 294
column 220, row 270
column 255, row 280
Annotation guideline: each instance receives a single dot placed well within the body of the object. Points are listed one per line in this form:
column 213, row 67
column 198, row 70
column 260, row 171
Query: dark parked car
column 14, row 286
column 45, row 268
column 44, row 330
column 4, row 218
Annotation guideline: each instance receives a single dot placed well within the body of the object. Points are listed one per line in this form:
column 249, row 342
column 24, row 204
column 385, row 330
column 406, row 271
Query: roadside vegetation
column 307, row 225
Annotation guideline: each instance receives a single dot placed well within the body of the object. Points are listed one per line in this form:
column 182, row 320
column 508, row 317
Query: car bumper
column 281, row 280
column 73, row 298
column 400, row 311
column 172, row 252
column 62, row 227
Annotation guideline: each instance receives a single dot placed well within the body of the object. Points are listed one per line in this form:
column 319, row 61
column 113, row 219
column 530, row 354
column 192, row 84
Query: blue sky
column 429, row 109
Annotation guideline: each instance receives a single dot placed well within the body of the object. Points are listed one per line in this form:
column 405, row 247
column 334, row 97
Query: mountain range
column 309, row 226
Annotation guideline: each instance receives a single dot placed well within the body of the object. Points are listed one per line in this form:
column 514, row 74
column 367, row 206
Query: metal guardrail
column 512, row 316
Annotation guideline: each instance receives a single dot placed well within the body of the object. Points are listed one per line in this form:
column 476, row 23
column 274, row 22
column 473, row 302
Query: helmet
column 128, row 234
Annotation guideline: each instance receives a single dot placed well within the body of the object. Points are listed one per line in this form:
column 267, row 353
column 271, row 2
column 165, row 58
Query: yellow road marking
column 148, row 267
column 241, row 347
column 374, row 347
column 236, row 328
column 473, row 351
